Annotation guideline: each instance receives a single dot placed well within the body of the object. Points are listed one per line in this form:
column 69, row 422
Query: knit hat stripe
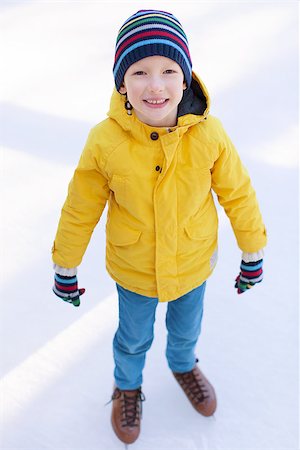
column 151, row 27
column 158, row 23
column 157, row 19
column 143, row 12
column 148, row 34
column 147, row 42
column 157, row 15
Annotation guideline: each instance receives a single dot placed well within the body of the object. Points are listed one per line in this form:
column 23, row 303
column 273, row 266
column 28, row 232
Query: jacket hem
column 154, row 293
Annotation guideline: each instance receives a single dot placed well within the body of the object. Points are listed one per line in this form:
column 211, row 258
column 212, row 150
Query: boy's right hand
column 66, row 288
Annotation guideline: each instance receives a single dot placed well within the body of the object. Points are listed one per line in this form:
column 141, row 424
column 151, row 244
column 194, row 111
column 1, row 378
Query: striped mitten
column 66, row 288
column 251, row 273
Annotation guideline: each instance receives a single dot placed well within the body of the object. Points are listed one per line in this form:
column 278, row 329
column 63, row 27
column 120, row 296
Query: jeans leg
column 183, row 321
column 133, row 338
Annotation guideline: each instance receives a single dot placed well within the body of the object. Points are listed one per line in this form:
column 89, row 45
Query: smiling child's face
column 154, row 87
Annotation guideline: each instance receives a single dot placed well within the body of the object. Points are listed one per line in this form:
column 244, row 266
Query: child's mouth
column 156, row 103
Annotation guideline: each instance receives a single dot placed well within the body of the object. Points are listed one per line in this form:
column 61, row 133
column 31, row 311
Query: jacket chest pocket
column 119, row 186
column 194, row 186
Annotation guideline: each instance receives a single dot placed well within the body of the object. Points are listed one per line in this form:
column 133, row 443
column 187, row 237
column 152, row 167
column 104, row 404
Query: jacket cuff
column 63, row 271
column 252, row 257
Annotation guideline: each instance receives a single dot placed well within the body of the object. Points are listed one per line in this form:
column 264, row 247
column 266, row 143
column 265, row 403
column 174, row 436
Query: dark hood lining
column 193, row 101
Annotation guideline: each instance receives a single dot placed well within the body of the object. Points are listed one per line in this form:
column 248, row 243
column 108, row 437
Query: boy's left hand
column 66, row 288
column 251, row 273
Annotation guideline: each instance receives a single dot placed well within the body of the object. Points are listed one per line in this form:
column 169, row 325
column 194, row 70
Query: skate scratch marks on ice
column 21, row 385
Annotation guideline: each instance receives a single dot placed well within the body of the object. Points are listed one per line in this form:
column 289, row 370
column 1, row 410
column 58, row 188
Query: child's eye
column 139, row 72
column 170, row 71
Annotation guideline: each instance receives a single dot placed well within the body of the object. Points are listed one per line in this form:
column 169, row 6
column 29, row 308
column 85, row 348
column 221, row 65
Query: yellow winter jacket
column 162, row 224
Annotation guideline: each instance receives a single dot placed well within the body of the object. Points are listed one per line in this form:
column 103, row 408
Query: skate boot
column 127, row 414
column 198, row 390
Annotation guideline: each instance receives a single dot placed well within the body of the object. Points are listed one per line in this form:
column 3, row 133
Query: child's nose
column 156, row 84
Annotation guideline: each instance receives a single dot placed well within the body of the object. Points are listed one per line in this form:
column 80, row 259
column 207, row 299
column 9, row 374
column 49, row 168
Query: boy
column 155, row 160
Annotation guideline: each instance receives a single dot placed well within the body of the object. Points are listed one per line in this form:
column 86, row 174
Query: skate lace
column 194, row 386
column 131, row 407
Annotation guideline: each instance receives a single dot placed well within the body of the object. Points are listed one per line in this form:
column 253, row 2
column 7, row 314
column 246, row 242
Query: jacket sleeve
column 88, row 193
column 232, row 184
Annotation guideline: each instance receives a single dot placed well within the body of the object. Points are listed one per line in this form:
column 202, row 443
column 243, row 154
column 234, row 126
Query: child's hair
column 149, row 33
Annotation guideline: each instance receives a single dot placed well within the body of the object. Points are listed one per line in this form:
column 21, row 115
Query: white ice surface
column 56, row 360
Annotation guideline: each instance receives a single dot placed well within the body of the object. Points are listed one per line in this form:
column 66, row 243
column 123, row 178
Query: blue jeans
column 134, row 335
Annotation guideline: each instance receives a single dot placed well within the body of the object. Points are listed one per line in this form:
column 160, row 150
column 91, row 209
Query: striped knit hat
column 149, row 33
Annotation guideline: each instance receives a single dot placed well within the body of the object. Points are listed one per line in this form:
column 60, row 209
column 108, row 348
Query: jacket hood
column 193, row 108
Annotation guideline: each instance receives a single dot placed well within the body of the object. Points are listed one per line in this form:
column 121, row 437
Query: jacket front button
column 157, row 168
column 154, row 136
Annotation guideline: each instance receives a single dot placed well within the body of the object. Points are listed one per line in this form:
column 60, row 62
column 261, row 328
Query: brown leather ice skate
column 127, row 414
column 198, row 390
